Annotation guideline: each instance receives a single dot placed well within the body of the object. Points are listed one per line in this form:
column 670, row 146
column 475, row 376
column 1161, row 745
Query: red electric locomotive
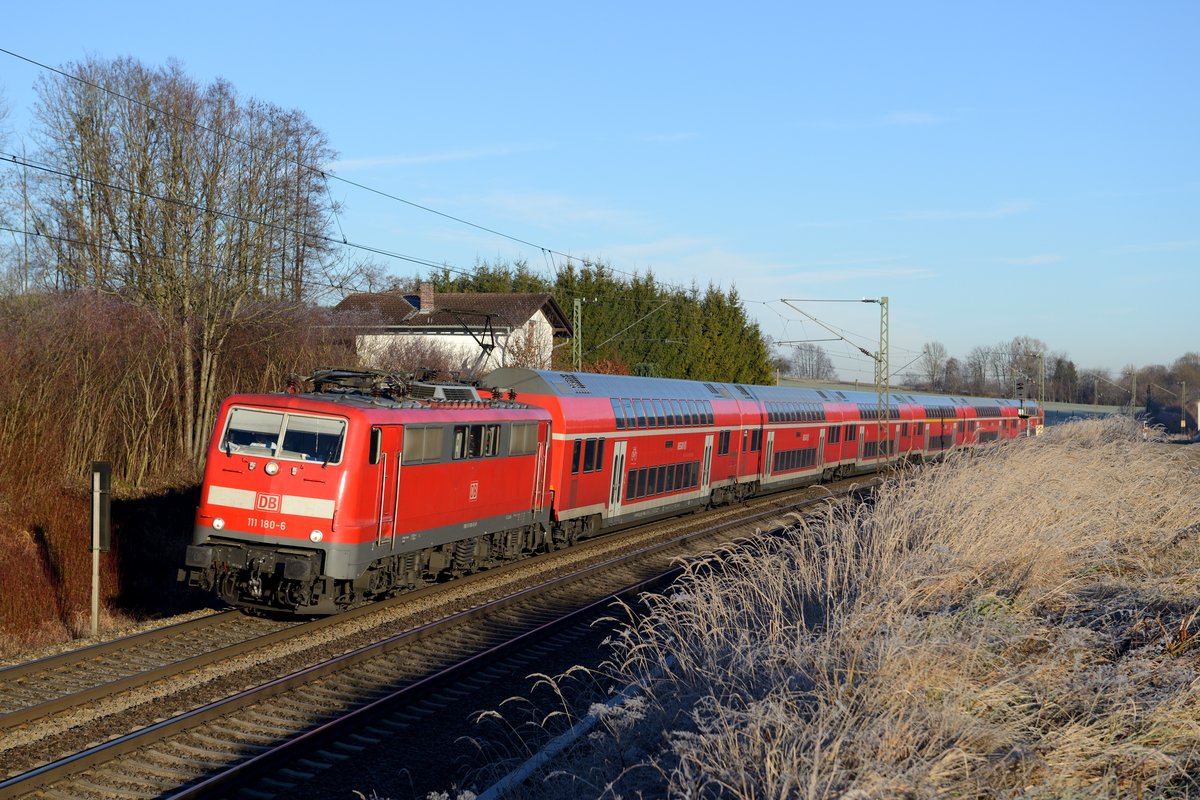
column 368, row 485
column 311, row 501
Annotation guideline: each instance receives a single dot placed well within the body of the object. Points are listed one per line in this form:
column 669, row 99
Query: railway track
column 221, row 727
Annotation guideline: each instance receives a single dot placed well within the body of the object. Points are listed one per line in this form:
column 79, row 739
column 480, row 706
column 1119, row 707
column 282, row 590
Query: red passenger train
column 368, row 485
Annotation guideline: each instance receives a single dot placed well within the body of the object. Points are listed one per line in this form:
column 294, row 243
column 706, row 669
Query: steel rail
column 50, row 773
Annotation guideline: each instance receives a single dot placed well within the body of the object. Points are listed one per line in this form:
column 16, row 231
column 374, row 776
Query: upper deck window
column 274, row 434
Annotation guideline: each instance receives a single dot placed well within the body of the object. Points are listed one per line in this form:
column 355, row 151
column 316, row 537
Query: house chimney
column 426, row 298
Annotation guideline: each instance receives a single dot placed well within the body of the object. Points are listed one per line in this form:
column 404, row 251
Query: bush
column 87, row 377
column 1006, row 624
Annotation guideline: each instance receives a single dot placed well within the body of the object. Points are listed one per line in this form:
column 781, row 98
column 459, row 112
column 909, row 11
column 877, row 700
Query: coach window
column 618, row 417
column 576, row 448
column 630, row 415
column 589, row 456
column 641, row 482
column 659, row 416
column 630, row 485
column 640, row 411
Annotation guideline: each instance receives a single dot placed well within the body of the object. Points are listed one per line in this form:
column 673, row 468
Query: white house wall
column 511, row 345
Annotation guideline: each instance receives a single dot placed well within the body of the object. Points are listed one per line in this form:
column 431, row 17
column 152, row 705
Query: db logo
column 267, row 502
column 473, row 494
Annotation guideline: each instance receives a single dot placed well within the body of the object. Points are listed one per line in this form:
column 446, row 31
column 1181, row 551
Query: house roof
column 452, row 310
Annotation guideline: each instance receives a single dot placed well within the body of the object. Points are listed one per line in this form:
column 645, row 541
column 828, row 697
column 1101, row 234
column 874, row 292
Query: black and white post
column 101, row 506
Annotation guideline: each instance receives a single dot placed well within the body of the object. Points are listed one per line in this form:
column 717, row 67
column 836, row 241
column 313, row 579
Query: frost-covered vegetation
column 1017, row 623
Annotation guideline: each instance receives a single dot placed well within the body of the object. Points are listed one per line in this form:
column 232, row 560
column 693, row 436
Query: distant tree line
column 1027, row 366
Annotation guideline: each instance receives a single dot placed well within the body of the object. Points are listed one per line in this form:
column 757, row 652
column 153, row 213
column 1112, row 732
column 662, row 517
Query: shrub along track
column 153, row 732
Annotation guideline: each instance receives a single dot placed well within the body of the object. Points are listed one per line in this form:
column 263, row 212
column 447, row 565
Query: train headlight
column 271, row 468
column 316, row 536
column 218, row 523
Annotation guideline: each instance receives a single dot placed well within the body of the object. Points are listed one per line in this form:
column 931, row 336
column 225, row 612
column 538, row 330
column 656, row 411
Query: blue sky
column 995, row 169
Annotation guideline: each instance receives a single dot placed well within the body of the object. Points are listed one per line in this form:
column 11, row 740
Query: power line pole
column 883, row 379
column 577, row 337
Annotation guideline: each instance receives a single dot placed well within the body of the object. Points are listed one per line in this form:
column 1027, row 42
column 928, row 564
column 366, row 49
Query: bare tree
column 976, row 369
column 407, row 354
column 529, row 347
column 953, row 377
column 206, row 210
column 1027, row 363
column 933, row 364
column 810, row 362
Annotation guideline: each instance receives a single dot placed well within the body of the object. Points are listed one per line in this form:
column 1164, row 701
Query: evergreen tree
column 634, row 323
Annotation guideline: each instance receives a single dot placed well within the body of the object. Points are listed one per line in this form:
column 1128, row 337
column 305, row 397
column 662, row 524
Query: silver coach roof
column 584, row 384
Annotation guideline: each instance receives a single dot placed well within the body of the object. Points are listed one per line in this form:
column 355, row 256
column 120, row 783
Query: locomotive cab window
column 476, row 441
column 272, row 434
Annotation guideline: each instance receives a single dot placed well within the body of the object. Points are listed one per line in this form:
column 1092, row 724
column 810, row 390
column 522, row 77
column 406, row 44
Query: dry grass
column 1018, row 623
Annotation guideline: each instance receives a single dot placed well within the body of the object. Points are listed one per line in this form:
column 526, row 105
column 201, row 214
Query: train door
column 618, row 479
column 706, row 465
column 821, row 448
column 895, row 441
column 385, row 452
column 769, row 455
column 539, row 470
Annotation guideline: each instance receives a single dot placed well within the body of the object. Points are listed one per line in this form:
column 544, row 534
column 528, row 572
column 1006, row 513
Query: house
column 474, row 331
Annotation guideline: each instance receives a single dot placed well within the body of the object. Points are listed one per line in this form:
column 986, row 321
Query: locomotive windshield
column 272, row 434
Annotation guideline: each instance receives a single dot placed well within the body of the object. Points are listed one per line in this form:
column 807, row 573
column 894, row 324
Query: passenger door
column 539, row 471
column 706, row 466
column 618, row 479
column 387, row 494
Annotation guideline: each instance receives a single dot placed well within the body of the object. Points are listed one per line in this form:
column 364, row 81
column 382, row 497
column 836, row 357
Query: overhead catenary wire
column 24, row 162
column 154, row 256
column 324, row 173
